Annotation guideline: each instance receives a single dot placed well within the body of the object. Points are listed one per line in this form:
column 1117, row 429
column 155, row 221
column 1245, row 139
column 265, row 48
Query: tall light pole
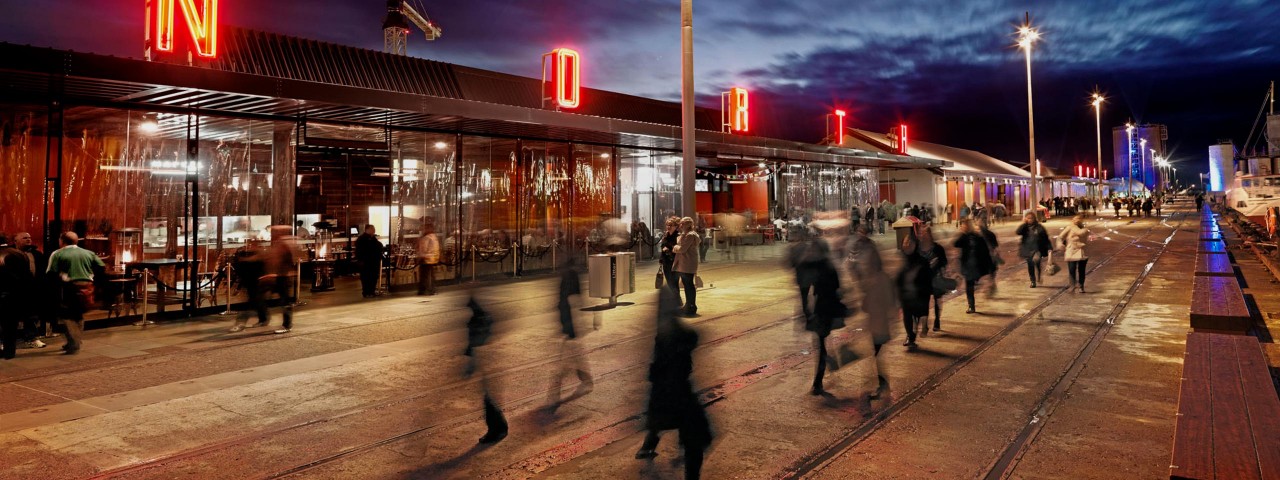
column 1027, row 37
column 1128, row 170
column 688, row 199
column 1097, row 110
column 1142, row 161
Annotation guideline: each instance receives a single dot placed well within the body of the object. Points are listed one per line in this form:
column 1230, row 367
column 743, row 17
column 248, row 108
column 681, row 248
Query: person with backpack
column 1034, row 246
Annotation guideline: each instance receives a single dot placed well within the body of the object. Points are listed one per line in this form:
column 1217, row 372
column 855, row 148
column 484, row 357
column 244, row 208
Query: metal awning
column 32, row 75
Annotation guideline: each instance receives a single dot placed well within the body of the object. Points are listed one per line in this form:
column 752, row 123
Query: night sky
column 947, row 68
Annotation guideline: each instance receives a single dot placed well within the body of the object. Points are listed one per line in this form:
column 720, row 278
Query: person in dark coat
column 369, row 253
column 936, row 256
column 803, row 257
column 994, row 244
column 1034, row 247
column 915, row 286
column 479, row 328
column 975, row 260
column 673, row 404
column 573, row 358
column 667, row 254
column 17, row 282
column 827, row 311
column 45, row 291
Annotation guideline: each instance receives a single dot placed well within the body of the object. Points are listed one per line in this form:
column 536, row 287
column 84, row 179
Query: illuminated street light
column 1027, row 36
column 1097, row 110
column 1142, row 160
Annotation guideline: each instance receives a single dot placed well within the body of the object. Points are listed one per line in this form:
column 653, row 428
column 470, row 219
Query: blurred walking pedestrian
column 250, row 266
column 428, row 259
column 1074, row 239
column 673, row 404
column 915, row 286
column 936, row 256
column 667, row 255
column 75, row 267
column 479, row 328
column 880, row 301
column 975, row 260
column 1034, row 247
column 804, row 257
column 829, row 313
column 686, row 264
column 369, row 255
column 573, row 359
column 280, row 264
column 994, row 245
column 864, row 255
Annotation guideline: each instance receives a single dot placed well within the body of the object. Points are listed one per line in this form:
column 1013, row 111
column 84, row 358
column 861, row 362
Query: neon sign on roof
column 566, row 74
column 202, row 24
column 840, row 127
column 739, row 121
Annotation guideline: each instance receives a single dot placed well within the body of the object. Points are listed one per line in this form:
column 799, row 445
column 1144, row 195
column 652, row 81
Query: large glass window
column 23, row 141
column 822, row 187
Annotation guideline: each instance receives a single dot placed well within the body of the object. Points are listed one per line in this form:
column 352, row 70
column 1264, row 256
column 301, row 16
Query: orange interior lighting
column 738, row 105
column 566, row 66
column 202, row 23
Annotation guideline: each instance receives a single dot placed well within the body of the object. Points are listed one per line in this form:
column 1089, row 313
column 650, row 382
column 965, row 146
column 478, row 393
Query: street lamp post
column 1142, row 161
column 1026, row 38
column 688, row 142
column 1128, row 177
column 1097, row 110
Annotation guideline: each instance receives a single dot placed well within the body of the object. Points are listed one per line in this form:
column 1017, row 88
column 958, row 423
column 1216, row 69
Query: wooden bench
column 1210, row 265
column 1217, row 305
column 1228, row 424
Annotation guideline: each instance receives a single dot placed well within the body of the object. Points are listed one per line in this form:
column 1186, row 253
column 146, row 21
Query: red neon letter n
column 203, row 25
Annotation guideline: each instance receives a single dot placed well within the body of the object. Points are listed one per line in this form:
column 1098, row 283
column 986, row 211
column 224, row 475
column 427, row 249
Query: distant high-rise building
column 1128, row 159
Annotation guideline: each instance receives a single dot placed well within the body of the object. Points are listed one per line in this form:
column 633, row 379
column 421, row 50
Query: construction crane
column 395, row 28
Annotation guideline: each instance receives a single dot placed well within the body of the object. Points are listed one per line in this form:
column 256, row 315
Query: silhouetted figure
column 572, row 357
column 479, row 327
column 975, row 260
column 936, row 256
column 667, row 254
column 280, row 261
column 804, row 257
column 1034, row 247
column 250, row 266
column 369, row 256
column 673, row 405
column 17, row 288
column 915, row 286
column 828, row 313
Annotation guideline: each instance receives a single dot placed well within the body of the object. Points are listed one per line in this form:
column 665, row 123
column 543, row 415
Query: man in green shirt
column 74, row 266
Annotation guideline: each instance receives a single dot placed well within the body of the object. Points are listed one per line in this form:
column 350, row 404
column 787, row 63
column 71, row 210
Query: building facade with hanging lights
column 177, row 158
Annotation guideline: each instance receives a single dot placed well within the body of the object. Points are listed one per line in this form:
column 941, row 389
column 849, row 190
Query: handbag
column 1053, row 267
column 943, row 284
column 657, row 280
column 697, row 281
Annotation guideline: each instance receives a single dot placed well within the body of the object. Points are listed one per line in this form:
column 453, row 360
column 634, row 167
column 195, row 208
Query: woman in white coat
column 1074, row 239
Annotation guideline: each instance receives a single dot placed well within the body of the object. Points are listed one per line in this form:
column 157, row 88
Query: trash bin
column 610, row 275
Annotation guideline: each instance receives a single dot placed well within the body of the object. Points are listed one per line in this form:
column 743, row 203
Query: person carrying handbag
column 667, row 256
column 940, row 283
column 1034, row 246
column 1074, row 239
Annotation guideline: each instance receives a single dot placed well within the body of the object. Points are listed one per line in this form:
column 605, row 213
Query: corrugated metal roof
column 961, row 159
